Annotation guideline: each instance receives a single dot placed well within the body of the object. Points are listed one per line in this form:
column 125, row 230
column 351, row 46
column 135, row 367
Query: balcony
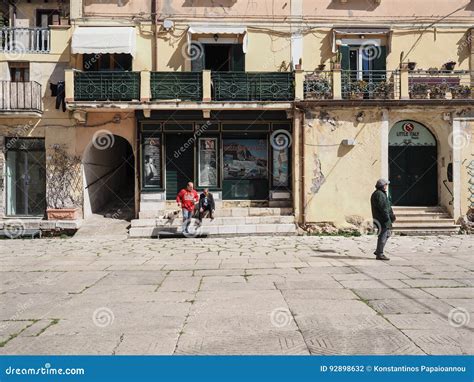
column 25, row 40
column 106, row 86
column 162, row 90
column 20, row 97
column 185, row 86
column 245, row 86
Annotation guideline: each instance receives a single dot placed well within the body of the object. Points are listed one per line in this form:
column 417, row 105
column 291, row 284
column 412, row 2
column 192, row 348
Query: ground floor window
column 235, row 157
column 26, row 177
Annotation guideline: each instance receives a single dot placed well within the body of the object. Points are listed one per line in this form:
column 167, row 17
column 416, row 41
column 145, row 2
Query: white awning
column 219, row 30
column 376, row 31
column 90, row 40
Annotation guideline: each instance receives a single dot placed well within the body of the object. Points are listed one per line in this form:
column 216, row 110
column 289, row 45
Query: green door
column 179, row 163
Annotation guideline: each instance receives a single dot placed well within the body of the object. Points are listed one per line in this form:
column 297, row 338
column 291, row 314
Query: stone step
column 227, row 212
column 422, row 215
column 217, row 221
column 401, row 209
column 218, row 230
column 417, row 231
column 415, row 220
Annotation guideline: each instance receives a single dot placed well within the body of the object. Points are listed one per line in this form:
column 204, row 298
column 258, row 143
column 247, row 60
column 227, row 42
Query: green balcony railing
column 106, row 86
column 252, row 86
column 186, row 86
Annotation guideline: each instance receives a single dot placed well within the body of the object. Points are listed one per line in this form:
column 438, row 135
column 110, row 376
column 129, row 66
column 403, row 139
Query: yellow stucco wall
column 338, row 180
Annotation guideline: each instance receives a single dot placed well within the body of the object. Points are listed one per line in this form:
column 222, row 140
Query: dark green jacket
column 382, row 209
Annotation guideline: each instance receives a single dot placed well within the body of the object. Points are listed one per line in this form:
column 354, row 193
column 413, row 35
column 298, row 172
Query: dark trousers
column 206, row 210
column 383, row 235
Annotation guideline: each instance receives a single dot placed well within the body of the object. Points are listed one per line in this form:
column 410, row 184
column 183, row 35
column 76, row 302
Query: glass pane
column 208, row 162
column 151, row 162
column 36, row 182
column 280, row 168
column 245, row 159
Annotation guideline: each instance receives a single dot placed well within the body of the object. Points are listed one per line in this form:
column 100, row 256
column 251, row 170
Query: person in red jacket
column 186, row 200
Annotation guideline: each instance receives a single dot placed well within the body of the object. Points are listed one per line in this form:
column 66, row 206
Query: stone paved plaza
column 242, row 295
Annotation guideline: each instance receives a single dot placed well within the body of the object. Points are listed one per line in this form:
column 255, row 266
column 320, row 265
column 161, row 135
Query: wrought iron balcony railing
column 318, row 85
column 436, row 84
column 106, row 86
column 252, row 86
column 20, row 96
column 186, row 86
column 370, row 84
column 25, row 40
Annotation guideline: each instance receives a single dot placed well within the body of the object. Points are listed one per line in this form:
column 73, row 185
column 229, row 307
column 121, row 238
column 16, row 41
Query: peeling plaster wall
column 340, row 179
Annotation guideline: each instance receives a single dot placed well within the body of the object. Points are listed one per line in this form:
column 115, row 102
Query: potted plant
column 419, row 91
column 449, row 66
column 411, row 66
column 64, row 185
column 336, row 65
column 433, row 71
column 438, row 91
column 317, row 87
column 461, row 91
column 384, row 90
column 358, row 88
column 321, row 67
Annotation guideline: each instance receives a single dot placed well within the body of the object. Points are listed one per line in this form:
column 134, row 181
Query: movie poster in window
column 245, row 159
column 208, row 162
column 152, row 162
column 280, row 168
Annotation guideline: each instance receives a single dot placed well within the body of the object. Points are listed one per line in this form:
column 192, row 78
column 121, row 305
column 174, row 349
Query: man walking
column 186, row 200
column 383, row 216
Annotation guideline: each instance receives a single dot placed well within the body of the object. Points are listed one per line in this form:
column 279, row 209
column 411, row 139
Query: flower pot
column 321, row 67
column 62, row 213
column 419, row 95
column 449, row 66
column 411, row 66
column 461, row 95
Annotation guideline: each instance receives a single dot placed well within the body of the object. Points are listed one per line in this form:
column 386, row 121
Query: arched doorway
column 109, row 177
column 413, row 165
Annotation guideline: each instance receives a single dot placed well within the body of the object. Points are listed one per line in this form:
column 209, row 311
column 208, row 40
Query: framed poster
column 207, row 162
column 280, row 176
column 245, row 159
column 151, row 162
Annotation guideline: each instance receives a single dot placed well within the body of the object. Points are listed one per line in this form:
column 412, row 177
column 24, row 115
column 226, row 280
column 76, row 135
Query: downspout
column 301, row 150
column 154, row 47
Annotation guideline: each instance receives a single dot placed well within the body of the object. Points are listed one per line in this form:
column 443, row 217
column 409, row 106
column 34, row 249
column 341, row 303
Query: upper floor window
column 19, row 71
column 107, row 62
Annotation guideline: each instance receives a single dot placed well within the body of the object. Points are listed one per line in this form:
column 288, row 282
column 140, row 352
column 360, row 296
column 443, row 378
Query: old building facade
column 288, row 111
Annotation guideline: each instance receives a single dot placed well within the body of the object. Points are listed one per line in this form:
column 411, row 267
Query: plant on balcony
column 358, row 88
column 64, row 184
column 419, row 91
column 461, row 91
column 384, row 90
column 433, row 71
column 317, row 87
column 449, row 66
column 438, row 91
column 411, row 65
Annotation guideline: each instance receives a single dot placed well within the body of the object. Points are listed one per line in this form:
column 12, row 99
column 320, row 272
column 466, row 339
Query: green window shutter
column 380, row 59
column 197, row 57
column 237, row 58
column 345, row 59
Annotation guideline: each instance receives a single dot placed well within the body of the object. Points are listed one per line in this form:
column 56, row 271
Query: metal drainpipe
column 154, row 35
column 302, row 159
